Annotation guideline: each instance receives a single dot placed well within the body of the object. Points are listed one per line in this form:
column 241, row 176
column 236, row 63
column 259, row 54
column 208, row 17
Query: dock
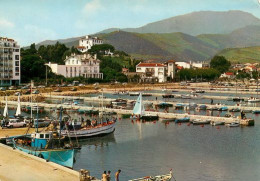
column 246, row 122
column 16, row 165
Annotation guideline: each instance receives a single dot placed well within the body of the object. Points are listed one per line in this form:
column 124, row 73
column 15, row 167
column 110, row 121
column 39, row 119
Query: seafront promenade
column 16, row 165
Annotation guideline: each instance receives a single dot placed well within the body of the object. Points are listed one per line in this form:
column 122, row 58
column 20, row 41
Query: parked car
column 17, row 93
column 57, row 90
column 41, row 86
column 15, row 123
column 36, row 92
column 73, row 89
column 25, row 87
column 12, row 88
column 2, row 89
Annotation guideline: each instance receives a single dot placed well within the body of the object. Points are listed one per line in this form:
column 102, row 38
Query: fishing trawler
column 47, row 145
column 95, row 128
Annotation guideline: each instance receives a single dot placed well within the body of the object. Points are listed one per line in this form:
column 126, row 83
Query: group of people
column 106, row 176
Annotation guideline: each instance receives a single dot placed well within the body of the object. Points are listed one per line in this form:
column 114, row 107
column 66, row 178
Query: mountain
column 242, row 55
column 217, row 31
column 178, row 46
column 196, row 23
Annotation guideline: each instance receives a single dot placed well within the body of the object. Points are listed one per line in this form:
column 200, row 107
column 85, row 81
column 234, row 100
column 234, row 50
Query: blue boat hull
column 64, row 157
column 182, row 120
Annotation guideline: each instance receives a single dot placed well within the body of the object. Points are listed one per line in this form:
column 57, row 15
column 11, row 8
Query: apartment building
column 10, row 71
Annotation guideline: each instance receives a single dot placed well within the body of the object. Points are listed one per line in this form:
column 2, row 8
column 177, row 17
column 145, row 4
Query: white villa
column 152, row 71
column 78, row 65
column 87, row 42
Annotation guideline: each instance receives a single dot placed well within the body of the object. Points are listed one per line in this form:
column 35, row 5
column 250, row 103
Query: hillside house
column 84, row 65
column 152, row 72
column 229, row 75
column 87, row 42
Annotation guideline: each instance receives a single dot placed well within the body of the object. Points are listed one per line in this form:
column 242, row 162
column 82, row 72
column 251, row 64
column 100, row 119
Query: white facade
column 185, row 65
column 152, row 70
column 188, row 65
column 10, row 71
column 78, row 65
column 171, row 68
column 87, row 42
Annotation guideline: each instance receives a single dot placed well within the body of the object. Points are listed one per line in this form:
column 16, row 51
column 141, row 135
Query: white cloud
column 92, row 7
column 4, row 23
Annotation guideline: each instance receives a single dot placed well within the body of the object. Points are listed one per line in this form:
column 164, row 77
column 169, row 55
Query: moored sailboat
column 139, row 111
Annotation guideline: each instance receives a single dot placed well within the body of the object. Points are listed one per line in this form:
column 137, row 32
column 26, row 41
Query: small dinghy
column 256, row 112
column 233, row 124
column 182, row 120
column 199, row 121
column 167, row 177
column 217, row 123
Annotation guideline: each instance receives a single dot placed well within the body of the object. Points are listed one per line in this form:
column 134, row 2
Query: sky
column 33, row 21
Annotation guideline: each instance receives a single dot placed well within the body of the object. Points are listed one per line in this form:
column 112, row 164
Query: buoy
column 218, row 127
column 154, row 122
column 179, row 123
column 188, row 124
column 202, row 125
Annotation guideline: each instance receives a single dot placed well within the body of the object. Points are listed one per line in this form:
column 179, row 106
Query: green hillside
column 178, row 46
column 242, row 55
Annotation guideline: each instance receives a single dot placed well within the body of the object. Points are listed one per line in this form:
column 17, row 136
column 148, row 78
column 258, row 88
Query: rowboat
column 199, row 121
column 166, row 177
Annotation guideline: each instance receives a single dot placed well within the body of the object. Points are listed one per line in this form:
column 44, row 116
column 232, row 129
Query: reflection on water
column 193, row 152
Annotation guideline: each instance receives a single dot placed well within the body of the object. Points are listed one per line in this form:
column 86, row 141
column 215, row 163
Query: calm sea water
column 193, row 152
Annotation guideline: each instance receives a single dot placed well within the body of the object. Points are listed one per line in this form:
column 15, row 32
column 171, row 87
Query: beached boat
column 146, row 94
column 166, row 177
column 187, row 96
column 45, row 146
column 139, row 111
column 182, row 120
column 238, row 99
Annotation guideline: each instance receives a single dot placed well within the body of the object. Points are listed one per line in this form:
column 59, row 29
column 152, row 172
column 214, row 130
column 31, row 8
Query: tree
column 220, row 63
column 100, row 49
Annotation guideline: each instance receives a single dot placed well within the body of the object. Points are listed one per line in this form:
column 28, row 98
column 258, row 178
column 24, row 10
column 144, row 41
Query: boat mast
column 37, row 117
column 31, row 100
column 61, row 109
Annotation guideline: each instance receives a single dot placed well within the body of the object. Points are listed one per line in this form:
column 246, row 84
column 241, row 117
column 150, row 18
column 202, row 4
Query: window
column 75, row 69
column 16, row 69
column 16, row 63
column 41, row 135
column 139, row 69
column 70, row 69
column 66, row 69
column 47, row 136
column 16, row 74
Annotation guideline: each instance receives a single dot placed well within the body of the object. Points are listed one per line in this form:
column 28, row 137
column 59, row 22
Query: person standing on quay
column 108, row 175
column 117, row 175
column 104, row 176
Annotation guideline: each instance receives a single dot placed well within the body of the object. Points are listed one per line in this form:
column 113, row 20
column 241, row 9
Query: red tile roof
column 179, row 67
column 171, row 61
column 229, row 73
column 80, row 47
column 150, row 65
